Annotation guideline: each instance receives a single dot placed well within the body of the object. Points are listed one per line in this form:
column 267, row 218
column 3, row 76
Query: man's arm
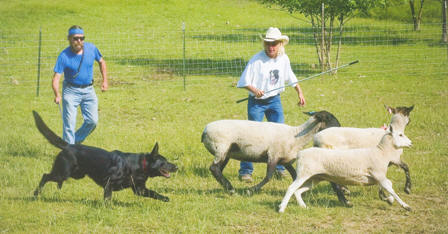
column 299, row 91
column 103, row 70
column 55, row 85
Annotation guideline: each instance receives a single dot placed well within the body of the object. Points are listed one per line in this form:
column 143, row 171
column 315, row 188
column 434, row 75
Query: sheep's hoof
column 407, row 190
column 408, row 208
column 252, row 191
column 345, row 190
column 390, row 200
column 231, row 191
column 249, row 192
column 348, row 204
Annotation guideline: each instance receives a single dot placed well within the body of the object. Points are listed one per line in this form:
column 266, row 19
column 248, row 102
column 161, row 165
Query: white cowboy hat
column 274, row 34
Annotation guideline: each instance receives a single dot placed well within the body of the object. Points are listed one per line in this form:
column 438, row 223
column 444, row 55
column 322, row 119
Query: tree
column 323, row 15
column 416, row 18
column 444, row 34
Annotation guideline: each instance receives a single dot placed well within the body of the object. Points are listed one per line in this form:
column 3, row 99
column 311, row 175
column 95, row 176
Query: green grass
column 143, row 108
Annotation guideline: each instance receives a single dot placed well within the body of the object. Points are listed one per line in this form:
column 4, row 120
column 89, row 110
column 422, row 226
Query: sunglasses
column 272, row 43
column 78, row 38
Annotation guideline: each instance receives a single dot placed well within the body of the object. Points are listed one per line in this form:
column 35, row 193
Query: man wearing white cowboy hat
column 267, row 70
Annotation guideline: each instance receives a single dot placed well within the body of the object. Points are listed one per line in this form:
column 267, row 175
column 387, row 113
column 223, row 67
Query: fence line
column 158, row 55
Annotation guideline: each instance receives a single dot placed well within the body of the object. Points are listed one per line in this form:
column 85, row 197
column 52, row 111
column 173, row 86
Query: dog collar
column 144, row 164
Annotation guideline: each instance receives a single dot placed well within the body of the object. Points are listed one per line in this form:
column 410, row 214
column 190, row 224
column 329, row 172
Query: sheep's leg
column 216, row 169
column 408, row 185
column 224, row 164
column 269, row 172
column 341, row 197
column 291, row 189
column 298, row 193
column 390, row 199
column 404, row 166
column 387, row 185
column 291, row 171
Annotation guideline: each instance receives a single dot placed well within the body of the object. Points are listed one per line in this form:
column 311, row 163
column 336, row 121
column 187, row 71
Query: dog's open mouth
column 165, row 173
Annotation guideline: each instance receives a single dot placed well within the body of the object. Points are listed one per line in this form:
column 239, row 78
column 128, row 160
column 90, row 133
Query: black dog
column 113, row 171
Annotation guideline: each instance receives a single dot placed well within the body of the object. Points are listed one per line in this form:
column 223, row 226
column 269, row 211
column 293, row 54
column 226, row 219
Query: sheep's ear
column 310, row 113
column 155, row 150
column 389, row 109
column 406, row 111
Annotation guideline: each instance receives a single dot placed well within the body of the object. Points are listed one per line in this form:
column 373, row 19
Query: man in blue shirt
column 76, row 63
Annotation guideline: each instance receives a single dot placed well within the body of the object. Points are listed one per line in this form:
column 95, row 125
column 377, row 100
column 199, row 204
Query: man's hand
column 302, row 101
column 104, row 86
column 57, row 99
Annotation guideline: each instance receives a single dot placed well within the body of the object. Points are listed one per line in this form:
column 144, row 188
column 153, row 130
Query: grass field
column 140, row 110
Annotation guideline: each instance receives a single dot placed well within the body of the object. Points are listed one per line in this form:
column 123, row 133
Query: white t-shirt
column 265, row 73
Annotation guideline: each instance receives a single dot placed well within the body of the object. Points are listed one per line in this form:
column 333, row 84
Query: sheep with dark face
column 252, row 141
column 364, row 166
column 352, row 138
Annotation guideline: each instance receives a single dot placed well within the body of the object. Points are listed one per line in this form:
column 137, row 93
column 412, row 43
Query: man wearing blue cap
column 76, row 63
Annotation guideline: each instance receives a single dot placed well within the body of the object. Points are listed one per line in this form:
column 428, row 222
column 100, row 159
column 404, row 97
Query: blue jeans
column 72, row 97
column 256, row 110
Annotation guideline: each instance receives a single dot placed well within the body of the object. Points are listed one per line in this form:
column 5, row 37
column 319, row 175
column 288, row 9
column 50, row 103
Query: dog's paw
column 165, row 199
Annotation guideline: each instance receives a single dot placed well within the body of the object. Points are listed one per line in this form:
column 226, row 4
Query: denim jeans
column 72, row 97
column 256, row 110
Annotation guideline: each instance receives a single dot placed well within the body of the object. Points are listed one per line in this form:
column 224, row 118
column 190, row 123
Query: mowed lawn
column 141, row 109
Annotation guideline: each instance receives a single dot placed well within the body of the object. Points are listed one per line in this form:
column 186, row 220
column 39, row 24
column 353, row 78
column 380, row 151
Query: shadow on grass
column 98, row 203
column 353, row 35
column 319, row 196
column 206, row 67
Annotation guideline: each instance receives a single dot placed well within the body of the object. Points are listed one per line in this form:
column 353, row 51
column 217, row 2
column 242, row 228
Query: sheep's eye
column 401, row 135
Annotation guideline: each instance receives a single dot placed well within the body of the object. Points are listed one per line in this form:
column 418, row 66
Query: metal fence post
column 183, row 61
column 38, row 62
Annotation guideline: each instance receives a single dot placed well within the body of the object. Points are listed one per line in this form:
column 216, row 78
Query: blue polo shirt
column 68, row 63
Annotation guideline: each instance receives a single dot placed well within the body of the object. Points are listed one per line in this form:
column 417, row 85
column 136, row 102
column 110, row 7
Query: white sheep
column 273, row 143
column 350, row 138
column 364, row 166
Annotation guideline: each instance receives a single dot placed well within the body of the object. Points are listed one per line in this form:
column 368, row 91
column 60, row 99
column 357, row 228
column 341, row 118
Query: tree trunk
column 444, row 33
column 419, row 17
column 322, row 43
column 329, row 40
column 316, row 40
column 416, row 18
column 341, row 30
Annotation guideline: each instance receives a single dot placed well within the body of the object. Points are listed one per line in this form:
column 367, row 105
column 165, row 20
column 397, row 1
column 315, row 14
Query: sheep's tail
column 50, row 135
column 204, row 133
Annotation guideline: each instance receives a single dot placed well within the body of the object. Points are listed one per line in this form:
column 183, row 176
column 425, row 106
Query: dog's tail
column 50, row 135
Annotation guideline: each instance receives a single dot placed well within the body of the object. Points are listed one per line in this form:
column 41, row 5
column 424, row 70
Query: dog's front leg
column 143, row 191
column 107, row 191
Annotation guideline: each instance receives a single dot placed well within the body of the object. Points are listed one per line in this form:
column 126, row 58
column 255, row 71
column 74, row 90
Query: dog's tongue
column 165, row 173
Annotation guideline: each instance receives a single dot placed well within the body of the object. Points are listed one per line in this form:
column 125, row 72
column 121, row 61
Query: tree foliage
column 323, row 14
column 333, row 7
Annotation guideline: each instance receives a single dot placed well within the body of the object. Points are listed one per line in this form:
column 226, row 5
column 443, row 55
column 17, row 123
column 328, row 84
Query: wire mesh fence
column 172, row 55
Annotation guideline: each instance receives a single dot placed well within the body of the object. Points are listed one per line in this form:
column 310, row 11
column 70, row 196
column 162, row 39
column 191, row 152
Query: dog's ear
column 155, row 150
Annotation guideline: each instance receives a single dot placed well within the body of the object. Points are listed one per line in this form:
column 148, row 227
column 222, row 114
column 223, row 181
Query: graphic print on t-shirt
column 273, row 76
